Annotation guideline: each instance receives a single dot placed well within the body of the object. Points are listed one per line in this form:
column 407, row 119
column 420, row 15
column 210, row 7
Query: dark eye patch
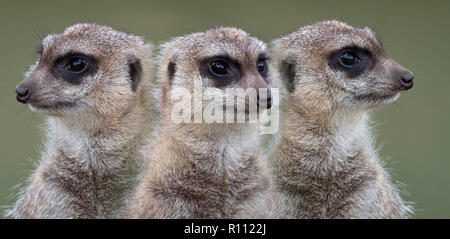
column 221, row 69
column 72, row 67
column 262, row 66
column 351, row 60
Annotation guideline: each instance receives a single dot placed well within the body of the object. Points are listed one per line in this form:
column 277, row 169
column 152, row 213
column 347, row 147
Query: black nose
column 23, row 94
column 407, row 81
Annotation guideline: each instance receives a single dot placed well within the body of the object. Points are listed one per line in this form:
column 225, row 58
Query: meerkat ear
column 171, row 69
column 287, row 71
column 135, row 71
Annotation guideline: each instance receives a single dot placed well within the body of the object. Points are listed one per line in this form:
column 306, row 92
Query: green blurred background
column 413, row 133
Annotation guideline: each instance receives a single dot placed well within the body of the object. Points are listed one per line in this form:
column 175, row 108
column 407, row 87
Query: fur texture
column 201, row 170
column 325, row 164
column 95, row 127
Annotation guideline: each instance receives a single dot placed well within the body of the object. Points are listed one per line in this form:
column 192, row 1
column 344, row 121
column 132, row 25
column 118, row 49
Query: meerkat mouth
column 378, row 98
column 48, row 108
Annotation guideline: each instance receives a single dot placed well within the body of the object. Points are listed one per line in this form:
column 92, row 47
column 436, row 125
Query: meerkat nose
column 407, row 81
column 23, row 94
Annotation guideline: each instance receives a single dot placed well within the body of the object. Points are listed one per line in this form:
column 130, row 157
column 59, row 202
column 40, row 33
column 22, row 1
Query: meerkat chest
column 226, row 168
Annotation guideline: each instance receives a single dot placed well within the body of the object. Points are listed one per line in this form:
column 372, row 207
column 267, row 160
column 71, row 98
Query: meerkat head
column 330, row 65
column 87, row 70
column 218, row 59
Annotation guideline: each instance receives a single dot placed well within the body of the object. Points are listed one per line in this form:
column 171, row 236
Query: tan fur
column 91, row 155
column 326, row 165
column 201, row 170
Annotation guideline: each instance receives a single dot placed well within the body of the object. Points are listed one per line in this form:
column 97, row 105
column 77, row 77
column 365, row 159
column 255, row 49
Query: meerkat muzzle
column 407, row 81
column 23, row 94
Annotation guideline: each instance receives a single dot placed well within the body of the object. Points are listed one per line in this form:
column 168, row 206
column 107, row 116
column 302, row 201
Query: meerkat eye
column 219, row 67
column 73, row 66
column 262, row 66
column 76, row 64
column 349, row 59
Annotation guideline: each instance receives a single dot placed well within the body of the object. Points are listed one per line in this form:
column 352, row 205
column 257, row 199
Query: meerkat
column 325, row 164
column 208, row 170
column 93, row 84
